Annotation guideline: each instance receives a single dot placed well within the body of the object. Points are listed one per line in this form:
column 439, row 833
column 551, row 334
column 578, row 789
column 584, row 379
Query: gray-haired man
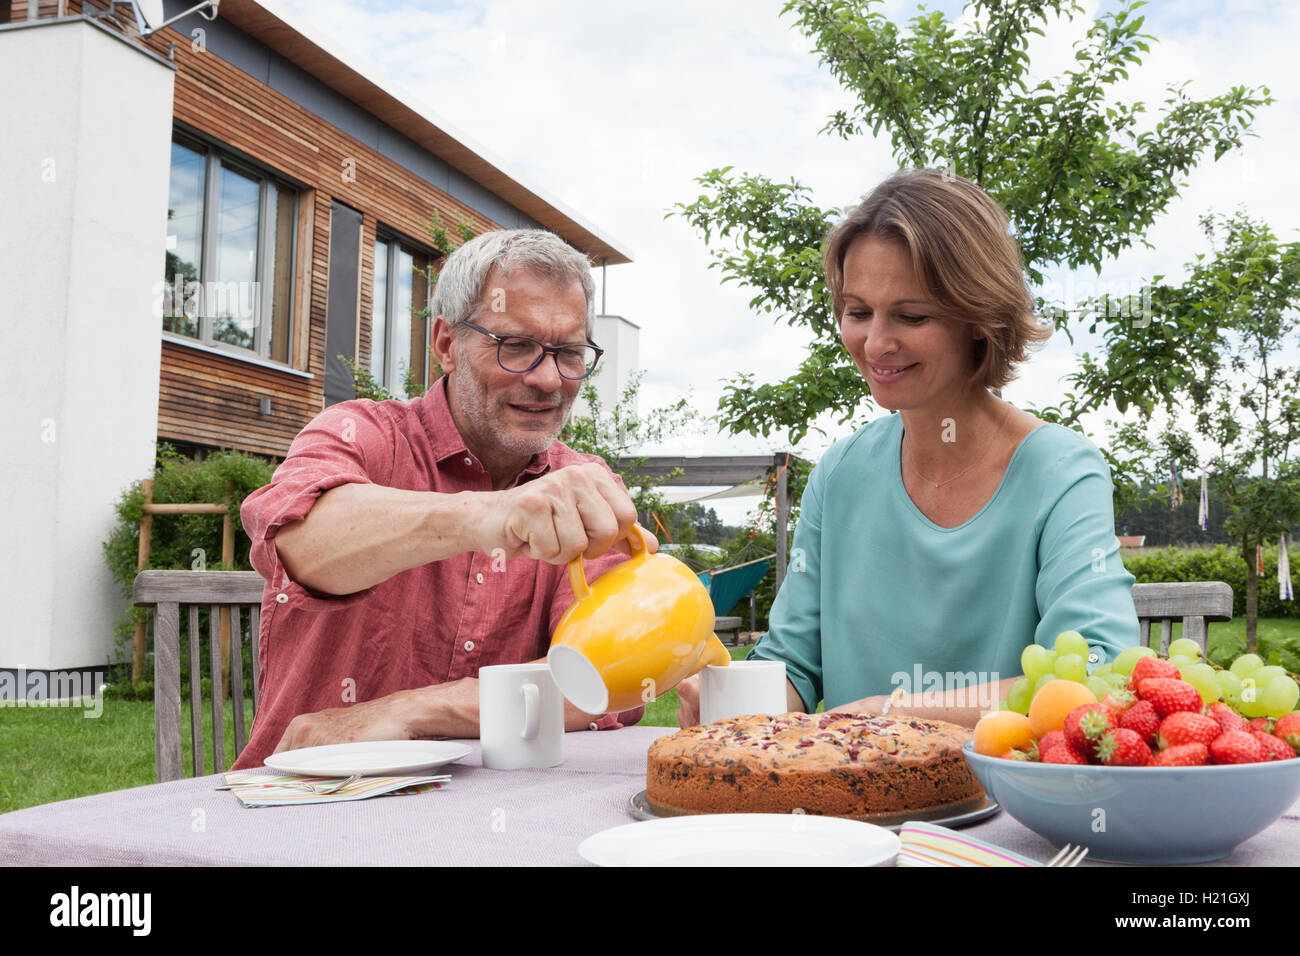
column 407, row 544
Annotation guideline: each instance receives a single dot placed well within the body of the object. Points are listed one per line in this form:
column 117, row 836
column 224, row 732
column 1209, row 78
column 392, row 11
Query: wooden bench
column 1195, row 603
column 167, row 592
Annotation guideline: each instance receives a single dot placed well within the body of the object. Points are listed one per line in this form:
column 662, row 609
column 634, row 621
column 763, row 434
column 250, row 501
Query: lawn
column 55, row 753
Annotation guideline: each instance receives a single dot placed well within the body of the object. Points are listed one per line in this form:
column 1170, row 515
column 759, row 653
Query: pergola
column 739, row 474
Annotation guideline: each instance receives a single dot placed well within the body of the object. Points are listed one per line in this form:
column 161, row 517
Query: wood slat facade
column 213, row 400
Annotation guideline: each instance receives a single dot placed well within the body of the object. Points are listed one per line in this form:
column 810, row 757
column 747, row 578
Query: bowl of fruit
column 1172, row 761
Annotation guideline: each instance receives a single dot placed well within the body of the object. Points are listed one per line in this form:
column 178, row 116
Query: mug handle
column 532, row 712
column 578, row 577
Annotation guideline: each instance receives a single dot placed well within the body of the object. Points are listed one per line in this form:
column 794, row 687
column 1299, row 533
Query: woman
column 934, row 544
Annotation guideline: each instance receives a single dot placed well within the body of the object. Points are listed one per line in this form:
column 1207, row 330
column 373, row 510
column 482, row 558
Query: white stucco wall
column 619, row 338
column 84, row 166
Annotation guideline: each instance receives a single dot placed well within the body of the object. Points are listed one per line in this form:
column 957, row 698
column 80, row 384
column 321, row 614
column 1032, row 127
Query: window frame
column 215, row 155
column 396, row 242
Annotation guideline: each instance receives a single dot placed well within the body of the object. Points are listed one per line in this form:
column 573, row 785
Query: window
column 399, row 317
column 228, row 277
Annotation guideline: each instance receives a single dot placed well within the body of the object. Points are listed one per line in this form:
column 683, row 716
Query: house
column 198, row 223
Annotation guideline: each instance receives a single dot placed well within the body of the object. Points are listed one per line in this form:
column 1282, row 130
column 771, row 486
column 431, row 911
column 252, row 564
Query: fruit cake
column 837, row 764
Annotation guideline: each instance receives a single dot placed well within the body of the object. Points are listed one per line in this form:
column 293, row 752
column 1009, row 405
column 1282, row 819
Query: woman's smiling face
column 912, row 357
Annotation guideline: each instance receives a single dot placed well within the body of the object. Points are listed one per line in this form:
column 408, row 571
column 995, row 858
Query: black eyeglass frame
column 551, row 350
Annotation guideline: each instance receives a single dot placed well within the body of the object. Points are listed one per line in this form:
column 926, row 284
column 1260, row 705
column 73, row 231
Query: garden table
column 482, row 817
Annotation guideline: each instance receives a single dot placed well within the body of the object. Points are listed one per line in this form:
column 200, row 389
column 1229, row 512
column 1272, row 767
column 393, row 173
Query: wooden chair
column 1194, row 602
column 167, row 592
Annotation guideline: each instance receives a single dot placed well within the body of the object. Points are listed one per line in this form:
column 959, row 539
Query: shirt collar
column 445, row 437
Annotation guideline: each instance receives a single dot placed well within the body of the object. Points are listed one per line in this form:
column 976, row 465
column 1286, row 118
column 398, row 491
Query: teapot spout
column 715, row 654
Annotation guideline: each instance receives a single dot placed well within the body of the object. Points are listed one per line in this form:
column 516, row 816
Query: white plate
column 743, row 839
column 373, row 758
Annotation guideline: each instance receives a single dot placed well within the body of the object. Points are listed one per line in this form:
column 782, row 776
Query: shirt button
column 479, row 577
column 469, row 646
column 469, row 461
column 282, row 598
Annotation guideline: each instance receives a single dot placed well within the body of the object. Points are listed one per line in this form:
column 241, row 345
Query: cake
column 837, row 764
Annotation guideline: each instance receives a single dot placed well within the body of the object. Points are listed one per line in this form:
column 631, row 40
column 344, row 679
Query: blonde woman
column 935, row 543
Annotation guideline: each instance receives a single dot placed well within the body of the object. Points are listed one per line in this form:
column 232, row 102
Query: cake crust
column 837, row 764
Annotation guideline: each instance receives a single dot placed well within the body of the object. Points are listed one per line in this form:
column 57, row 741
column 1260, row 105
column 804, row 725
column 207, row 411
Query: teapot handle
column 577, row 576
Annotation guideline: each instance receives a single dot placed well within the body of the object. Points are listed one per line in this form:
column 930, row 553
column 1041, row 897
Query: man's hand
column 387, row 718
column 579, row 510
column 688, row 702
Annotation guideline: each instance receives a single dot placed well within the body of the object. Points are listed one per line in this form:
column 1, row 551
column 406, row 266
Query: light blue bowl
column 1142, row 814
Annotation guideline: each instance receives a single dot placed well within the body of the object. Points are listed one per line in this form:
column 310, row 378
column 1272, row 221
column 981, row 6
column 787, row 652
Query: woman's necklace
column 940, row 484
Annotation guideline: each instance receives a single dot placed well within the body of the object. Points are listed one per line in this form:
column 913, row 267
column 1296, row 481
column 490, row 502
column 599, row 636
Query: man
column 407, row 544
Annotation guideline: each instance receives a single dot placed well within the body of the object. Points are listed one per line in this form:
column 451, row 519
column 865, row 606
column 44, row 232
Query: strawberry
column 1085, row 726
column 1062, row 753
column 1119, row 700
column 1169, row 695
column 1236, row 746
column 1287, row 729
column 1053, row 738
column 1147, row 667
column 1124, row 748
column 1227, row 718
column 1184, row 755
column 1187, row 728
column 1263, row 724
column 1143, row 718
column 1273, row 747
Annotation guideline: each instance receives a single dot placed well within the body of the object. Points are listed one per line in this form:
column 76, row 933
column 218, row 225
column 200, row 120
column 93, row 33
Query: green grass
column 57, row 753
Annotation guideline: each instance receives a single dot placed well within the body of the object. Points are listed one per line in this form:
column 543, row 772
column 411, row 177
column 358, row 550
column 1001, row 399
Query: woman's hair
column 963, row 253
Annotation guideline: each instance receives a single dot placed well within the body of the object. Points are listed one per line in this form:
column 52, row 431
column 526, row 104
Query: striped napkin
column 253, row 788
column 924, row 844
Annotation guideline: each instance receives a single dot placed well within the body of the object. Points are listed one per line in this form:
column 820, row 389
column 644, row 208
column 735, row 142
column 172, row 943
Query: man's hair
column 963, row 254
column 460, row 291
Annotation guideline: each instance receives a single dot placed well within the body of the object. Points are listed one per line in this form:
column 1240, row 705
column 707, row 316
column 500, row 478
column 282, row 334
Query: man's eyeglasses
column 519, row 354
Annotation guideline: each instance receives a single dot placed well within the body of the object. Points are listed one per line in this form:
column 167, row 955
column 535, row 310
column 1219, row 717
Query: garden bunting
column 1259, row 559
column 1283, row 569
column 1175, row 488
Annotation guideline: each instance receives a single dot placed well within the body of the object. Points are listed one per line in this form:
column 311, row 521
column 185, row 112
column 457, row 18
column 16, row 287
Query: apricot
column 1000, row 731
column 1053, row 703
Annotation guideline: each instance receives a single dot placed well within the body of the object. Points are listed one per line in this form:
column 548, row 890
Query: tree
column 620, row 431
column 1230, row 323
column 1078, row 177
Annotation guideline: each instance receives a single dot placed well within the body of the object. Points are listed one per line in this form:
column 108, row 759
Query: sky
column 614, row 109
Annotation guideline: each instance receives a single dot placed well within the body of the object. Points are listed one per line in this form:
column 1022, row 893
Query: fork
column 1069, row 856
column 322, row 789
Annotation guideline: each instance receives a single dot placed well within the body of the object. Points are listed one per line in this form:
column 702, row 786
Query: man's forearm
column 451, row 710
column 357, row 535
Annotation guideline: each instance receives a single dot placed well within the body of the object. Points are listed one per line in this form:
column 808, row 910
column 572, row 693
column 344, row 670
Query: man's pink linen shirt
column 427, row 625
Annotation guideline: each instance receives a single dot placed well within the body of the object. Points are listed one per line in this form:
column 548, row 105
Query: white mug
column 740, row 688
column 520, row 716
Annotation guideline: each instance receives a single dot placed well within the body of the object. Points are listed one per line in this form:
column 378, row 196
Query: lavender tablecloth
column 482, row 817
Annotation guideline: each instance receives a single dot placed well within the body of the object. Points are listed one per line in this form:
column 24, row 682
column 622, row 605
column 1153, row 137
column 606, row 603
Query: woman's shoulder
column 869, row 446
column 1051, row 444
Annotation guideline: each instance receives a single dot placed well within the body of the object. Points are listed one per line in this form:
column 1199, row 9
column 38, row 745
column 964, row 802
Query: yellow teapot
column 636, row 632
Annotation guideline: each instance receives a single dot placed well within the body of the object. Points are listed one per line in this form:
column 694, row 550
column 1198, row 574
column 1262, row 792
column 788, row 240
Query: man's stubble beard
column 470, row 400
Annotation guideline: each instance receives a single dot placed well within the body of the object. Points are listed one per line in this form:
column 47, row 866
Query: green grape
column 1246, row 664
column 1251, row 708
column 1266, row 675
column 1002, row 704
column 1072, row 642
column 1045, row 679
column 1186, row 647
column 1020, row 694
column 1116, row 680
column 1229, row 684
column 1098, row 686
column 1103, row 670
column 1201, row 676
column 1125, row 660
column 1071, row 667
column 1034, row 662
column 1280, row 697
column 1182, row 660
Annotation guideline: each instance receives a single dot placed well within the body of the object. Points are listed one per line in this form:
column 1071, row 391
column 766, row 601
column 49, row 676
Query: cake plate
column 960, row 814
